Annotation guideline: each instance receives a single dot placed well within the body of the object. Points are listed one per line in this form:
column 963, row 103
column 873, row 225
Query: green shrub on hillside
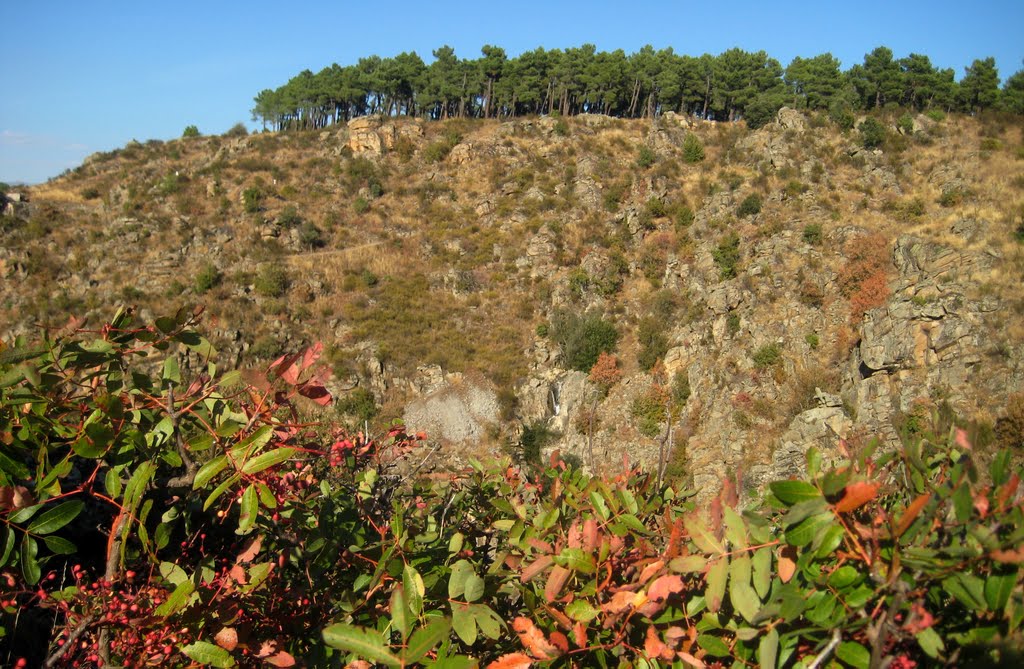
column 751, row 205
column 727, row 255
column 872, row 133
column 582, row 338
column 190, row 131
column 693, row 149
column 272, row 281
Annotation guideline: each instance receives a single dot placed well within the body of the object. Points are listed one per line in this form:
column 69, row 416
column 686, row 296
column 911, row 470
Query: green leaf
column 60, row 545
column 761, row 563
column 210, row 654
column 713, row 645
column 400, row 612
column 768, row 649
column 425, row 638
column 361, row 642
column 699, row 533
column 600, row 506
column 56, row 518
column 487, row 621
column 171, row 374
column 963, row 504
column 251, row 444
column 29, row 565
column 8, row 545
column 221, row 489
column 998, row 589
column 112, row 483
column 582, row 611
column 208, row 471
column 844, row 577
column 968, row 589
column 735, row 529
column 267, row 460
column 464, row 623
column 1000, row 466
column 414, row 589
column 461, row 571
column 576, row 558
column 248, row 509
column 688, row 564
column 178, row 599
column 24, row 513
column 474, row 588
column 791, row 492
column 930, row 642
column 804, row 532
column 854, row 654
column 716, row 579
column 744, row 600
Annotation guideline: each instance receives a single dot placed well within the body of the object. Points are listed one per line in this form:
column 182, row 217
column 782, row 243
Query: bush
column 289, row 217
column 272, row 281
column 684, row 217
column 361, row 205
column 751, row 206
column 841, row 114
column 582, row 338
column 812, row 234
column 207, row 277
column 653, row 342
column 936, row 115
column 605, row 373
column 650, row 411
column 905, row 124
column 645, row 157
column 768, row 355
column 535, row 437
column 190, row 131
column 872, row 133
column 251, row 199
column 310, row 236
column 727, row 255
column 237, row 130
column 693, row 149
column 1010, row 426
column 358, row 404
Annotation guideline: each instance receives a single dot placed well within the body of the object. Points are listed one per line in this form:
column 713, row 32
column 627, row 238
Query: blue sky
column 80, row 77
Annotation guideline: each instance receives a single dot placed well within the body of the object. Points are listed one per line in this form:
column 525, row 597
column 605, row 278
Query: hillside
column 767, row 289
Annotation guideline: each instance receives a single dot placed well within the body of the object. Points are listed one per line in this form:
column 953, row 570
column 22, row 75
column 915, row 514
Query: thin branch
column 70, row 643
column 826, row 652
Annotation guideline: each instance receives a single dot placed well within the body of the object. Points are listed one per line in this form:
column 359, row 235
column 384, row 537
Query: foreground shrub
column 166, row 514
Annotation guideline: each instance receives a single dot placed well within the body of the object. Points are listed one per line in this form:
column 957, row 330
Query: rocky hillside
column 760, row 291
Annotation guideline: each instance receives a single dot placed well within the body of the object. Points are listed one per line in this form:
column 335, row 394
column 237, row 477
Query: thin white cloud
column 13, row 138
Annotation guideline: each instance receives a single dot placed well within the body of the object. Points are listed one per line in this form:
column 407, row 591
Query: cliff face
column 789, row 289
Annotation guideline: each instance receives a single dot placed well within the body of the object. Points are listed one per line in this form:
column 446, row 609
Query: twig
column 186, row 479
column 70, row 643
column 827, row 650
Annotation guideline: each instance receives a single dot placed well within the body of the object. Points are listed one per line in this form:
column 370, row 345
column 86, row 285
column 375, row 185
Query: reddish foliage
column 605, row 373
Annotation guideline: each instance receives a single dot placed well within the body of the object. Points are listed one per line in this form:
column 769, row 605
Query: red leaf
column 654, row 647
column 787, row 563
column 579, row 634
column 538, row 565
column 511, row 661
column 534, row 640
column 560, row 641
column 650, row 570
column 619, row 602
column 283, row 659
column 590, row 534
column 575, row 535
column 857, row 495
column 911, row 513
column 316, row 392
column 250, row 551
column 227, row 638
column 556, row 581
column 1009, row 557
column 665, row 586
column 691, row 660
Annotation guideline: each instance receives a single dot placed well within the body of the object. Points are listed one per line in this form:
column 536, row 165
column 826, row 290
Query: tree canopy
column 735, row 84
